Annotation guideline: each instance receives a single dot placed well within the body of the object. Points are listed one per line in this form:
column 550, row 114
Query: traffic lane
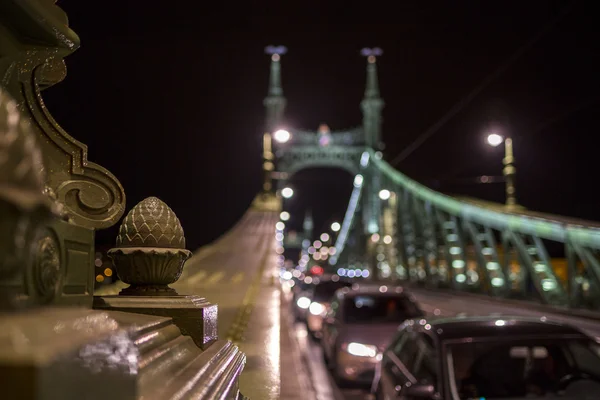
column 223, row 271
column 322, row 383
column 445, row 304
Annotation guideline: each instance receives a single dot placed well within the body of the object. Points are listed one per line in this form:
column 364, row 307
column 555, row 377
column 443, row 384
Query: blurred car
column 360, row 323
column 488, row 358
column 320, row 298
column 301, row 294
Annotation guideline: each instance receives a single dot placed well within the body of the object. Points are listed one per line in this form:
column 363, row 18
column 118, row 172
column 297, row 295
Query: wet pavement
column 236, row 272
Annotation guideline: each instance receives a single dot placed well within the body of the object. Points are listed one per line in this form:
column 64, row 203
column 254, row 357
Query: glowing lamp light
column 303, row 302
column 384, row 194
column 287, row 192
column 282, row 136
column 358, row 180
column 336, row 227
column 284, row 216
column 494, row 139
column 324, row 237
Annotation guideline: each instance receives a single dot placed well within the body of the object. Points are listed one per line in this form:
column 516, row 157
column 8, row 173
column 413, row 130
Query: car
column 360, row 323
column 301, row 293
column 320, row 298
column 488, row 357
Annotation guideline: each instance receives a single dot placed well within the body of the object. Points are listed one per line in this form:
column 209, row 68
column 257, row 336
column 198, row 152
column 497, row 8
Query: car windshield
column 379, row 309
column 513, row 369
column 324, row 291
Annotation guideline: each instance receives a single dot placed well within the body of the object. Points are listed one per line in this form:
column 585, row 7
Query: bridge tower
column 371, row 106
column 290, row 150
column 275, row 104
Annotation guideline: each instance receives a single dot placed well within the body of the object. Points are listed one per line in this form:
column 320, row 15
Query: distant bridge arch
column 342, row 150
column 322, row 148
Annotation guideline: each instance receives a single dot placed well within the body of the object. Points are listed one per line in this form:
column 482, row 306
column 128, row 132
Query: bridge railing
column 58, row 340
column 433, row 240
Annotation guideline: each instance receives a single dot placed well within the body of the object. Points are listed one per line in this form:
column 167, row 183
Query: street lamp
column 287, row 192
column 509, row 170
column 336, row 227
column 282, row 136
column 268, row 165
column 384, row 194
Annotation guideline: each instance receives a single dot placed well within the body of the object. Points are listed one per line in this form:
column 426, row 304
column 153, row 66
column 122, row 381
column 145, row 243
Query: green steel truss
column 433, row 240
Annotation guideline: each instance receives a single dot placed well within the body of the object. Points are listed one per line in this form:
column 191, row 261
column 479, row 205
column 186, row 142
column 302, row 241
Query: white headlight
column 362, row 350
column 303, row 302
column 316, row 308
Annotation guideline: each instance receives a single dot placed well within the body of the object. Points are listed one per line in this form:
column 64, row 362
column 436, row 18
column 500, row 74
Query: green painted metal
column 545, row 226
column 448, row 242
column 325, row 149
column 275, row 102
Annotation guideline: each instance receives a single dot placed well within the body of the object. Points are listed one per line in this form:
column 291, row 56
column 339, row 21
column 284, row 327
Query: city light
column 336, row 227
column 280, row 226
column 494, row 139
column 358, row 180
column 384, row 194
column 287, row 192
column 284, row 216
column 282, row 136
column 324, row 237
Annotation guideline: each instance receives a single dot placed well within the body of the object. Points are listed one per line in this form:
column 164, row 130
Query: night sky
column 168, row 96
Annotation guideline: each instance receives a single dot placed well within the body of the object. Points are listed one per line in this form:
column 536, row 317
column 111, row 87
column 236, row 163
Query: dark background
column 168, row 97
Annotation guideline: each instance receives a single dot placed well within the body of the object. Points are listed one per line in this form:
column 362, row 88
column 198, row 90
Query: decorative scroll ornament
column 29, row 252
column 22, row 203
column 90, row 194
column 46, row 269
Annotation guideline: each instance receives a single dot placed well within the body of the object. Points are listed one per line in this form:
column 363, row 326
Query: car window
column 324, row 291
column 425, row 366
column 505, row 367
column 374, row 308
column 333, row 309
column 586, row 356
column 409, row 351
column 398, row 342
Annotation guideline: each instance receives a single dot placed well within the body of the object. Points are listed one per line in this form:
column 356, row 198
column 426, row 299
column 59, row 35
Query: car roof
column 373, row 289
column 491, row 326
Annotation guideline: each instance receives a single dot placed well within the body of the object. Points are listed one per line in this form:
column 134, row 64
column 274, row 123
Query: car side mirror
column 419, row 391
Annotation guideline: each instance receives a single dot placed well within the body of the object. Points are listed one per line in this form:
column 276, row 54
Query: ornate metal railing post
column 35, row 38
column 150, row 254
column 29, row 255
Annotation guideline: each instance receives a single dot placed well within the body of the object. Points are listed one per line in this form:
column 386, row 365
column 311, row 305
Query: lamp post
column 280, row 136
column 268, row 165
column 509, row 170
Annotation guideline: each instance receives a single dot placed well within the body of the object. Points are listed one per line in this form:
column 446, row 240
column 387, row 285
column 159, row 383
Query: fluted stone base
column 193, row 315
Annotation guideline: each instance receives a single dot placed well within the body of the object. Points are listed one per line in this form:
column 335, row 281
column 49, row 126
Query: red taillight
column 316, row 270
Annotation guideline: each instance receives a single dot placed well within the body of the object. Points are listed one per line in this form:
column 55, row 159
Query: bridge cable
column 486, row 82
